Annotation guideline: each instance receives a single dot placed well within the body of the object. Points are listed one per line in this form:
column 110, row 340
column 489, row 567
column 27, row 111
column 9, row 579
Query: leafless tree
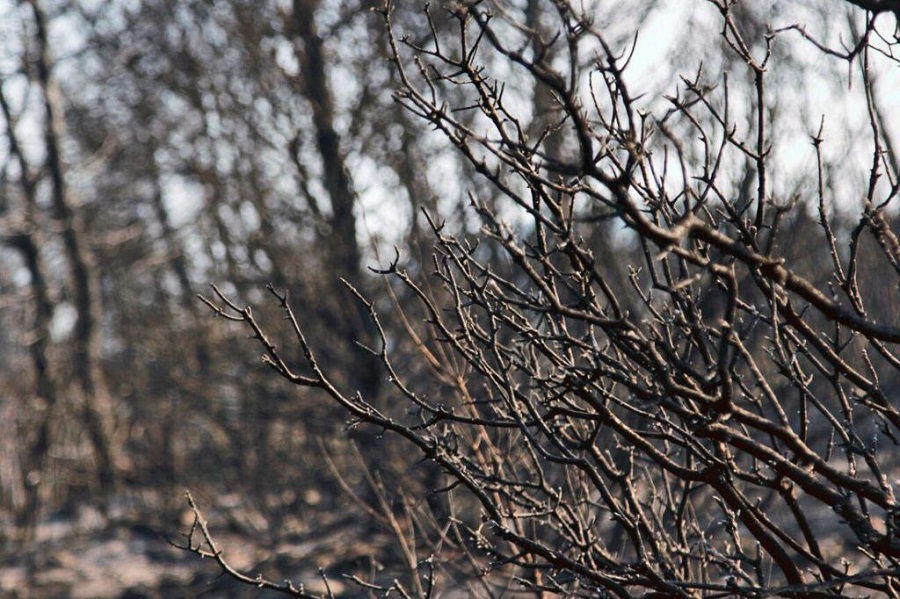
column 641, row 326
column 706, row 407
column 26, row 233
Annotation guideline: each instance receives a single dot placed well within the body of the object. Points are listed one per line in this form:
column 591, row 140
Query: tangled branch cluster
column 695, row 415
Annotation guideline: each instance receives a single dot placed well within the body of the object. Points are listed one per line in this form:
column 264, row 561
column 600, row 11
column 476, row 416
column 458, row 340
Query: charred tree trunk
column 46, row 388
column 350, row 319
column 84, row 277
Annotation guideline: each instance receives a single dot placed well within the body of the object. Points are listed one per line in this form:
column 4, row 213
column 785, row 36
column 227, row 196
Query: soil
column 83, row 555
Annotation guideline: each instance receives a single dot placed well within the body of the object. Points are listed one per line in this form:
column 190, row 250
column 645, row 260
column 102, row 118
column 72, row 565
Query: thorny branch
column 199, row 541
column 711, row 423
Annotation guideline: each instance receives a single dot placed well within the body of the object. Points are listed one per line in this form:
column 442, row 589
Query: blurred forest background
column 150, row 149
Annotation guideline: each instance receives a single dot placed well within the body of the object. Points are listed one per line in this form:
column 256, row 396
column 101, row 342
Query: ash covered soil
column 81, row 554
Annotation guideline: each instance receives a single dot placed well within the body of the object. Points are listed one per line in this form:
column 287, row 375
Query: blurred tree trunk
column 349, row 317
column 84, row 276
column 27, row 241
